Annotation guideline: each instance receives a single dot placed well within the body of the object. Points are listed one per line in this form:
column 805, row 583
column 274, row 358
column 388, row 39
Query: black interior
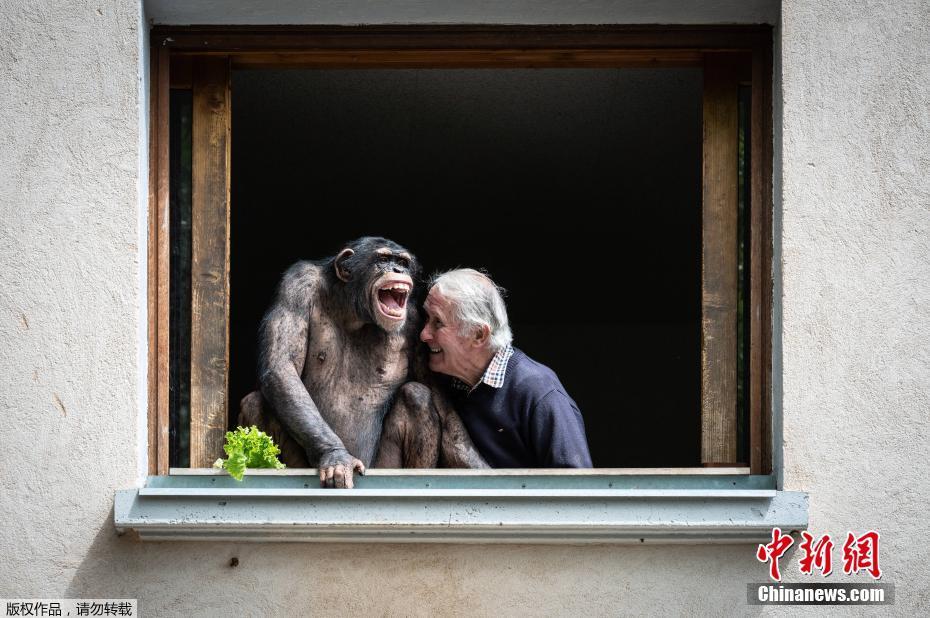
column 579, row 190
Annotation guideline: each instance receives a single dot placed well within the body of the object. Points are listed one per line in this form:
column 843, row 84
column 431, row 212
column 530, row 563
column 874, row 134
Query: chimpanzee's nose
column 397, row 269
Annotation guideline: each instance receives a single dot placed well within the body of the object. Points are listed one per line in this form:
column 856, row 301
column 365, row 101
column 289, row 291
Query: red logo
column 773, row 551
column 819, row 554
column 861, row 554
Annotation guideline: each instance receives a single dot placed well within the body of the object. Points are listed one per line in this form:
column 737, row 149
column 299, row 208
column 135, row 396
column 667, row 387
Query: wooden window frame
column 201, row 58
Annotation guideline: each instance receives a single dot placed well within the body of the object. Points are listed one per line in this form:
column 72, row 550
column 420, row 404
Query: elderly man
column 515, row 409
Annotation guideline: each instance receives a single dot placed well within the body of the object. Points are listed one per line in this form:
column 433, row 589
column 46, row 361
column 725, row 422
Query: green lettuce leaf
column 248, row 448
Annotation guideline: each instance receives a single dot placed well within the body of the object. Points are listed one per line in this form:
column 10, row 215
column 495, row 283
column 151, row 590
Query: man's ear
column 341, row 271
column 482, row 336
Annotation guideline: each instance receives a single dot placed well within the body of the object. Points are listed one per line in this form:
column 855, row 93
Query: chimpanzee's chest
column 360, row 370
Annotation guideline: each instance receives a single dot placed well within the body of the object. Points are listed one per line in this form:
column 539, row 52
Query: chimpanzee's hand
column 337, row 467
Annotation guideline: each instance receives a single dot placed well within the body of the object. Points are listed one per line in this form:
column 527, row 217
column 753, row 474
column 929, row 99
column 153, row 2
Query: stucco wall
column 855, row 267
column 852, row 315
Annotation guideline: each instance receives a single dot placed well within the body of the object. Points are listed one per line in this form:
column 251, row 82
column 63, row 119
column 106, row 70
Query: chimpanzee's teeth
column 400, row 288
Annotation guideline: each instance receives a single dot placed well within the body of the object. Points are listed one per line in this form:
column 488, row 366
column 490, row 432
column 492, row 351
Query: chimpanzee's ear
column 341, row 271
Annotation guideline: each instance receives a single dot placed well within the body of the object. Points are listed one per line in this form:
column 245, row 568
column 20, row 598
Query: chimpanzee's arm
column 456, row 449
column 282, row 351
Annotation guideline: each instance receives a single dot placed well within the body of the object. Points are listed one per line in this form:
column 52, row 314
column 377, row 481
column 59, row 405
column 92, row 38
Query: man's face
column 450, row 352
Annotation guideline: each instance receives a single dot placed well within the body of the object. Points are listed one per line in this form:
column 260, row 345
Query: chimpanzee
column 341, row 368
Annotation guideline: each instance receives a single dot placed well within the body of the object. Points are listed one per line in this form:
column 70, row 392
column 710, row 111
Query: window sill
column 444, row 506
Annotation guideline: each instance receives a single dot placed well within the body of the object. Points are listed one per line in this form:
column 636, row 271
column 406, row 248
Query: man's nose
column 424, row 334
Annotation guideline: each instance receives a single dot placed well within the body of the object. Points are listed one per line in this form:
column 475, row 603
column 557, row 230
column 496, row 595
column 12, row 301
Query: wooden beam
column 232, row 39
column 152, row 268
column 152, row 271
column 159, row 252
column 719, row 260
column 470, row 58
column 209, row 258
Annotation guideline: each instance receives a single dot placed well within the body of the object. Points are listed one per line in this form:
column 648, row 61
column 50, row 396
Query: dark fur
column 331, row 377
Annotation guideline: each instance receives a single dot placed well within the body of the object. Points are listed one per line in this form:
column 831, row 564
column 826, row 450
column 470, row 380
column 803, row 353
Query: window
column 199, row 178
column 690, row 272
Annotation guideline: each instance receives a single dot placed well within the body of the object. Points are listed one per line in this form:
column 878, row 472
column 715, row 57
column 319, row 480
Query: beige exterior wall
column 852, row 365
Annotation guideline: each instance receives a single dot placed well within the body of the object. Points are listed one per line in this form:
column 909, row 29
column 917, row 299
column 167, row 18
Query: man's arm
column 557, row 433
column 282, row 351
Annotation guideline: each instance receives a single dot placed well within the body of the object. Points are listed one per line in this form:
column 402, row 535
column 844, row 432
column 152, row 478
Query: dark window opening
column 743, row 282
column 579, row 190
column 179, row 367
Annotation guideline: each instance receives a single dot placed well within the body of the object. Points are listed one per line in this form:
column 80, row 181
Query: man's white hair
column 476, row 301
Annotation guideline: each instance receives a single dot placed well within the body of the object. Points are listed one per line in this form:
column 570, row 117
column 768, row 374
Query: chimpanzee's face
column 391, row 287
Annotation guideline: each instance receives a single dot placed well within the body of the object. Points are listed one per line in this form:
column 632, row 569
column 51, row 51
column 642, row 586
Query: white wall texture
column 853, row 316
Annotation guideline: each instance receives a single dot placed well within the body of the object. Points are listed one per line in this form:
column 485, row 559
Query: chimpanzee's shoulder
column 302, row 275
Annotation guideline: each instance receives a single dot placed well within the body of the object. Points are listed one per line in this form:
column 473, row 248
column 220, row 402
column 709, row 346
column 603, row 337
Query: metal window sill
column 441, row 506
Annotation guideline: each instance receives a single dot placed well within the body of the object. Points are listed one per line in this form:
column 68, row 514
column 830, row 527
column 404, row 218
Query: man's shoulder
column 530, row 376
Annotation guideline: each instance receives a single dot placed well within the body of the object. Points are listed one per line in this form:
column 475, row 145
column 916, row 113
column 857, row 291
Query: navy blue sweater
column 530, row 422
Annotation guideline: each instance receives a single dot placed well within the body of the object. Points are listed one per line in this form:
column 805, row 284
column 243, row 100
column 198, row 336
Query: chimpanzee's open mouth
column 392, row 299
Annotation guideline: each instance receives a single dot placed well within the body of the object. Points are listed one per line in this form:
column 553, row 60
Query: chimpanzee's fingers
column 322, row 477
column 329, row 476
column 349, row 480
column 360, row 467
column 340, row 476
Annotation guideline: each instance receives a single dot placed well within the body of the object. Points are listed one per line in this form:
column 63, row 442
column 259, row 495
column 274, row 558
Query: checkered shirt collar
column 494, row 374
